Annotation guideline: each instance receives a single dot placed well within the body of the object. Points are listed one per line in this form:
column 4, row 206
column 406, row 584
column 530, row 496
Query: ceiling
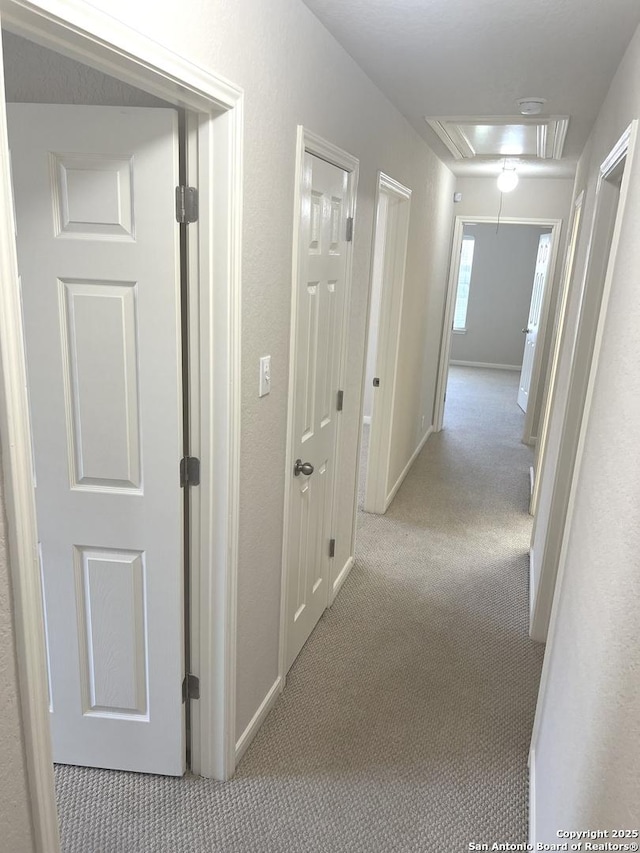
column 473, row 59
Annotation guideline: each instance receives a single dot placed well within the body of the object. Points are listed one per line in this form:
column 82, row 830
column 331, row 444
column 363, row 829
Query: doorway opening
column 391, row 234
column 213, row 119
column 500, row 286
column 573, row 378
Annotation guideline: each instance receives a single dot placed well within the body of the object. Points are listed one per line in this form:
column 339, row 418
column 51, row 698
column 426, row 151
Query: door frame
column 377, row 494
column 556, row 343
column 447, row 332
column 310, row 143
column 215, row 106
column 625, row 147
column 567, row 469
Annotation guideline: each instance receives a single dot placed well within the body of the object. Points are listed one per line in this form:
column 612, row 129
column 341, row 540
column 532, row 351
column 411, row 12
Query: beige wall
column 16, row 833
column 504, row 262
column 293, row 72
column 533, row 198
column 587, row 749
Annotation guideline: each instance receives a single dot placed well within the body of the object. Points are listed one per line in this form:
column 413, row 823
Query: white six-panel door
column 99, row 266
column 320, row 301
column 535, row 310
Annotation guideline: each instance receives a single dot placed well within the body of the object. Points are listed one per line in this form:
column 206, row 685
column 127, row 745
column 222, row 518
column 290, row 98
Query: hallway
column 406, row 720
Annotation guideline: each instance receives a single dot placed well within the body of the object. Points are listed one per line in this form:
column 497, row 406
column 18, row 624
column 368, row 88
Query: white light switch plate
column 265, row 376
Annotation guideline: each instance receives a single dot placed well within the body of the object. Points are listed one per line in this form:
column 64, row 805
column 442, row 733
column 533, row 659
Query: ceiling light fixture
column 531, row 106
column 507, row 180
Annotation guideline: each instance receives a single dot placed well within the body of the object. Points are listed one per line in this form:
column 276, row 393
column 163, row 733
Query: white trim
column 387, row 354
column 308, row 142
column 445, row 349
column 87, row 35
column 258, row 718
column 486, row 364
column 343, row 574
column 532, row 798
column 626, row 146
column 366, row 419
column 560, row 319
column 534, row 385
column 532, row 574
column 15, row 429
column 407, row 468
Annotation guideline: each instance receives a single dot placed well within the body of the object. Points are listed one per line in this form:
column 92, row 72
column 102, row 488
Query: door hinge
column 189, row 471
column 349, row 236
column 190, row 687
column 332, row 547
column 186, row 205
column 376, row 382
column 340, row 401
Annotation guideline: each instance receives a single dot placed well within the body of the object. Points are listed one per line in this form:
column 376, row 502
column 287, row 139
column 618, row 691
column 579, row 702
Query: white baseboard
column 258, row 719
column 486, row 364
column 344, row 573
column 407, row 468
column 532, row 797
column 366, row 419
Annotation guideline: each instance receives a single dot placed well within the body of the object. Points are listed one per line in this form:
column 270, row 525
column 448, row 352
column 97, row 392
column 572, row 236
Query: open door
column 533, row 323
column 388, row 269
column 98, row 256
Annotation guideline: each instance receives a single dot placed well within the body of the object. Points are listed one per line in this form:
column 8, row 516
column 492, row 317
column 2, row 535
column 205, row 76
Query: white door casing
column 576, row 369
column 447, row 328
column 320, row 296
column 559, row 330
column 533, row 323
column 615, row 181
column 99, row 263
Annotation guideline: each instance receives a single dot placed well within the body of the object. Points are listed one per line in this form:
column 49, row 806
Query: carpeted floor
column 406, row 719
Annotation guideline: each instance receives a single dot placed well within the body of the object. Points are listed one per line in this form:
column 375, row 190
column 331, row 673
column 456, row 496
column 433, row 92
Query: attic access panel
column 466, row 137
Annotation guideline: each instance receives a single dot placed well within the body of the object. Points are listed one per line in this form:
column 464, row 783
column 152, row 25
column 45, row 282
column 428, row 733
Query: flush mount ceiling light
column 507, row 180
column 531, row 106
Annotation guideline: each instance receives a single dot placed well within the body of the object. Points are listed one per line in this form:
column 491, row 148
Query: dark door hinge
column 186, row 205
column 349, row 236
column 332, row 547
column 189, row 471
column 190, row 687
column 376, row 382
column 340, row 401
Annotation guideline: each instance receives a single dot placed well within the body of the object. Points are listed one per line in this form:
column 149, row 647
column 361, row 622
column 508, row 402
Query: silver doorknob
column 301, row 467
column 526, row 331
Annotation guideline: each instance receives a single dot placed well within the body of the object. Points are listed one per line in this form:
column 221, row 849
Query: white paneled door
column 98, row 249
column 320, row 303
column 535, row 310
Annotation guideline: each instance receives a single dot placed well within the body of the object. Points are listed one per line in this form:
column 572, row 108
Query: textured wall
column 587, row 746
column 15, row 815
column 534, row 198
column 35, row 75
column 293, row 72
column 499, row 294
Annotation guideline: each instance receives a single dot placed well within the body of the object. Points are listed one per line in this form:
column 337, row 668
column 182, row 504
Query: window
column 464, row 279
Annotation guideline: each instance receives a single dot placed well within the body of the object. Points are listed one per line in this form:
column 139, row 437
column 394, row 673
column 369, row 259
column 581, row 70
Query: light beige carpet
column 406, row 719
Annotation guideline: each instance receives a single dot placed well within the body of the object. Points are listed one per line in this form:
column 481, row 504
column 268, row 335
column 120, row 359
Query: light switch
column 265, row 376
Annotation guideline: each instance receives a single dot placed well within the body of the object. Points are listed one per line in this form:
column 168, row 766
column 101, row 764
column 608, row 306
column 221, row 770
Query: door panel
column 320, row 302
column 99, row 264
column 535, row 310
